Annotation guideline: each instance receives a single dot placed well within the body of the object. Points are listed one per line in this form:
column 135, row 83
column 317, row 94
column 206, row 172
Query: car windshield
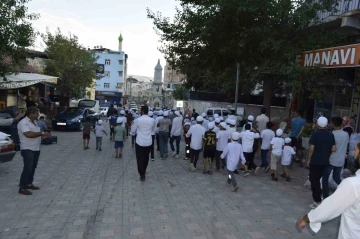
column 73, row 111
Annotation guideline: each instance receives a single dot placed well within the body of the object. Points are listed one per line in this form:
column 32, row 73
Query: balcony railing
column 344, row 6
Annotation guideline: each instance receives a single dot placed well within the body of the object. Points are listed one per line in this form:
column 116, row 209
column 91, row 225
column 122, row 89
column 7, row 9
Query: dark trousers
column 30, row 159
column 142, row 158
column 194, row 156
column 187, row 151
column 316, row 172
column 217, row 160
column 250, row 160
column 177, row 140
column 157, row 142
column 112, row 132
column 264, row 162
column 98, row 142
column 325, row 179
column 231, row 178
column 163, row 140
column 133, row 139
column 152, row 146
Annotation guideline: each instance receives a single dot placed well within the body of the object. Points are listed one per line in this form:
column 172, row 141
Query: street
column 90, row 194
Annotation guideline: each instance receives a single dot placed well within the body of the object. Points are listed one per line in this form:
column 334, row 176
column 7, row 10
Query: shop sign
column 343, row 56
column 108, row 93
column 179, row 103
column 21, row 84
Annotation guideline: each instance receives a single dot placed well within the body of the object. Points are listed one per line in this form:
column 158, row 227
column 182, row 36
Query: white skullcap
column 203, row 115
column 199, row 119
column 217, row 120
column 192, row 118
column 250, row 118
column 187, row 123
column 232, row 122
column 177, row 113
column 279, row 132
column 235, row 136
column 322, row 122
column 211, row 125
column 122, row 112
column 216, row 116
column 287, row 140
column 186, row 115
column 150, row 113
column 227, row 121
column 119, row 120
column 100, row 122
column 221, row 118
column 223, row 124
column 166, row 113
column 160, row 112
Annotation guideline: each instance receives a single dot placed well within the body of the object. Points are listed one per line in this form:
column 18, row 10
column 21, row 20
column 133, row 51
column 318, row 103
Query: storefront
column 108, row 96
column 341, row 83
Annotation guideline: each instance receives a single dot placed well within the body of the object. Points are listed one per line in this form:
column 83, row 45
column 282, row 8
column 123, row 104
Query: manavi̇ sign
column 343, row 56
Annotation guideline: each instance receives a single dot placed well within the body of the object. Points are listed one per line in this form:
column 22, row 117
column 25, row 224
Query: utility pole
column 237, row 86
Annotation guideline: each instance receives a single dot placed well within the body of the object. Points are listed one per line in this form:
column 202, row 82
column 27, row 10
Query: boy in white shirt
column 277, row 145
column 217, row 125
column 287, row 154
column 247, row 138
column 266, row 135
column 233, row 152
column 222, row 138
column 99, row 130
column 232, row 128
column 197, row 133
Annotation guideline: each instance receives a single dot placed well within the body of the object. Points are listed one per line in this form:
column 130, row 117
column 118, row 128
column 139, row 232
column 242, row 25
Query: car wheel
column 81, row 127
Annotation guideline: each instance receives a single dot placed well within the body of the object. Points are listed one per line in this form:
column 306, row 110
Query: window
column 107, row 73
column 120, row 73
column 209, row 112
column 106, row 85
column 225, row 113
column 169, row 86
column 121, row 62
column 119, row 85
column 107, row 61
column 217, row 112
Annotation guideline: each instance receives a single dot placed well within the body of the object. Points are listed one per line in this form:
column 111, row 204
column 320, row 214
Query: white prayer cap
column 250, row 118
column 216, row 116
column 187, row 123
column 235, row 136
column 223, row 124
column 203, row 115
column 221, row 118
column 211, row 125
column 166, row 113
column 199, row 119
column 186, row 115
column 287, row 140
column 122, row 112
column 217, row 120
column 232, row 122
column 227, row 121
column 160, row 112
column 192, row 118
column 177, row 113
column 100, row 122
column 150, row 113
column 119, row 120
column 322, row 122
column 279, row 132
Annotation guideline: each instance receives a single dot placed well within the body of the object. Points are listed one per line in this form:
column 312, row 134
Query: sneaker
column 152, row 159
column 235, row 189
column 267, row 169
column 314, row 205
column 257, row 170
column 288, row 179
column 174, row 154
column 177, row 156
column 246, row 173
column 283, row 175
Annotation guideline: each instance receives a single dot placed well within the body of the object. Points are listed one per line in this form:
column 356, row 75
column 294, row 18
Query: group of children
column 221, row 142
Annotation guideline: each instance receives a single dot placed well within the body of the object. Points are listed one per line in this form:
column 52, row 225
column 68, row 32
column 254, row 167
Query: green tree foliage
column 71, row 62
column 207, row 38
column 178, row 93
column 16, row 34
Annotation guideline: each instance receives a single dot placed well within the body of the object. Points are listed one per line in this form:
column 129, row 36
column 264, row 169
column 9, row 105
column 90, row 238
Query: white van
column 220, row 111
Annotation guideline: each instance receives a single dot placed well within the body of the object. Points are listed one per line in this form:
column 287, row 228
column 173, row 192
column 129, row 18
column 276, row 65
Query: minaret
column 120, row 39
column 158, row 73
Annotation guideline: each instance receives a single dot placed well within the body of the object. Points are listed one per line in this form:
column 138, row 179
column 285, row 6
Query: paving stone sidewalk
column 90, row 194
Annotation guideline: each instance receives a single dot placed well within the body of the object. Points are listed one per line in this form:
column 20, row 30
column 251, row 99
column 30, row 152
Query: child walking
column 287, row 154
column 222, row 139
column 209, row 147
column 119, row 136
column 87, row 128
column 99, row 130
column 187, row 140
column 277, row 145
column 233, row 152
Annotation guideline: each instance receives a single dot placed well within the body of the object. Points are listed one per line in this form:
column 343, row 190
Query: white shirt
column 243, row 129
column 205, row 124
column 26, row 125
column 262, row 120
column 197, row 133
column 231, row 130
column 278, row 144
column 99, row 130
column 287, row 154
column 267, row 135
column 143, row 127
column 176, row 128
column 345, row 201
column 222, row 139
column 233, row 151
column 156, row 123
column 216, row 129
column 248, row 140
column 124, row 119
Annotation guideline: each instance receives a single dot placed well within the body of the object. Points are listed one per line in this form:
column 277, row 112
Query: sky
column 100, row 22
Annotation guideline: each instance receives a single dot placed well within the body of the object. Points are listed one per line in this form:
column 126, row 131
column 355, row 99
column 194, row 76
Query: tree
column 71, row 62
column 16, row 34
column 178, row 93
column 207, row 39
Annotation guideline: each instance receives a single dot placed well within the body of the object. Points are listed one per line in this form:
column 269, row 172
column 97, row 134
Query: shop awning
column 20, row 80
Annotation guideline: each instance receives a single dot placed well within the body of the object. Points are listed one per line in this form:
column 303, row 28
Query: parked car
column 103, row 111
column 7, row 113
column 220, row 111
column 74, row 117
column 7, row 148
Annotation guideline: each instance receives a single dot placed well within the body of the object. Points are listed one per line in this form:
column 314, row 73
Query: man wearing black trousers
column 151, row 114
column 143, row 127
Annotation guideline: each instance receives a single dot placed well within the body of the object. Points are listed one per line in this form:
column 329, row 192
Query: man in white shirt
column 250, row 120
column 143, row 127
column 160, row 116
column 30, row 140
column 247, row 139
column 266, row 135
column 262, row 120
column 175, row 133
column 217, row 125
column 222, row 139
column 345, row 201
column 197, row 133
column 205, row 121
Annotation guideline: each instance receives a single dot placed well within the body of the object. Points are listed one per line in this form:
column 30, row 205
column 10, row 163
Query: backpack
column 113, row 120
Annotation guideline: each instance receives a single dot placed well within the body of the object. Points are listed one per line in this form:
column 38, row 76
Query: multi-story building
column 172, row 79
column 112, row 67
column 141, row 91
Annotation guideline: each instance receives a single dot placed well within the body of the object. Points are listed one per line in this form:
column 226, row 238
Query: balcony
column 344, row 8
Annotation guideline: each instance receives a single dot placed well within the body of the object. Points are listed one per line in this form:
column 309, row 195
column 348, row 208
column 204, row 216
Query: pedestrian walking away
column 266, row 136
column 222, row 138
column 87, row 128
column 143, row 127
column 175, row 133
column 151, row 114
column 197, row 133
column 277, row 145
column 112, row 123
column 119, row 137
column 99, row 130
column 187, row 140
column 247, row 139
column 30, row 141
column 286, row 157
column 297, row 127
column 209, row 148
column 163, row 125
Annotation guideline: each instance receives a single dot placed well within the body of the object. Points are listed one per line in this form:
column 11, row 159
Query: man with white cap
column 205, row 121
column 233, row 153
column 99, row 130
column 321, row 145
column 277, row 145
column 209, row 148
column 175, row 133
column 160, row 116
column 232, row 128
column 164, row 125
column 197, row 133
column 222, row 138
column 217, row 125
column 221, row 119
column 250, row 120
column 216, row 116
column 247, row 138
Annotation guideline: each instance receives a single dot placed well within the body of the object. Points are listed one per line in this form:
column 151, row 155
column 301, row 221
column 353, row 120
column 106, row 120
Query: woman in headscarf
column 346, row 123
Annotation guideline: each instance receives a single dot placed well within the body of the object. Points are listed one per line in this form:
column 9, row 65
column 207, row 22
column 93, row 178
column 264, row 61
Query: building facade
column 111, row 66
column 172, row 79
column 157, row 91
column 141, row 91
